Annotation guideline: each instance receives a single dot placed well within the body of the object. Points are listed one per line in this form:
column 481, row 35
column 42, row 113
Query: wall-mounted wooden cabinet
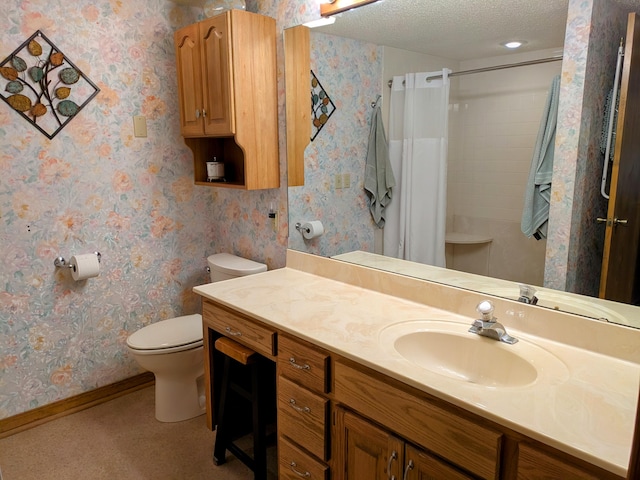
column 228, row 97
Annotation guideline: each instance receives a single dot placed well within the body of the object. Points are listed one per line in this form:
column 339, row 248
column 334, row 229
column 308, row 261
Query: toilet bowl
column 172, row 349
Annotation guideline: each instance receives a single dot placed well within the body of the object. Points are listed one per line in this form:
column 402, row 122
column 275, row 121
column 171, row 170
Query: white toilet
column 172, row 349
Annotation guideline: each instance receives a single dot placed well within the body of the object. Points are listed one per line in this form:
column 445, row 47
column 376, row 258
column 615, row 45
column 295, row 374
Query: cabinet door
column 189, row 67
column 215, row 35
column 420, row 465
column 368, row 453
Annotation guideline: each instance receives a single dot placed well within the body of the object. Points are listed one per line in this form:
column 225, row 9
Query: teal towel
column 378, row 176
column 537, row 195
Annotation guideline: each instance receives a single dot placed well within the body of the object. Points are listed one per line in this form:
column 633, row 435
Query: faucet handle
column 486, row 308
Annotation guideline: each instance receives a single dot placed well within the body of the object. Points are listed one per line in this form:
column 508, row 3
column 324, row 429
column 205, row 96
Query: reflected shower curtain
column 418, row 132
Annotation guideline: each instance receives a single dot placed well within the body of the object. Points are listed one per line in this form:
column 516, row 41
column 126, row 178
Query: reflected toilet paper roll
column 84, row 266
column 312, row 229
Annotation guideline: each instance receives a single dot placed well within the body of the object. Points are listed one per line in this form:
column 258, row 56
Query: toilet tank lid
column 234, row 265
column 172, row 332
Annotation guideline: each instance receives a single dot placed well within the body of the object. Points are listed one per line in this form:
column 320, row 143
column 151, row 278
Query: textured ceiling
column 456, row 29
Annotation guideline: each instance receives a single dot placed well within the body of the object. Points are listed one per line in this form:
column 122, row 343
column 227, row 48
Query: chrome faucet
column 488, row 326
column 527, row 294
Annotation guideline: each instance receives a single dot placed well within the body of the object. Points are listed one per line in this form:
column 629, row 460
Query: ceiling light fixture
column 513, row 45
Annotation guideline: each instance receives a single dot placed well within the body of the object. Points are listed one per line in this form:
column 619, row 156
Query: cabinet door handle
column 232, row 332
column 617, row 221
column 300, row 474
column 407, row 469
column 204, row 112
column 292, row 362
column 292, row 402
column 197, row 113
column 392, row 457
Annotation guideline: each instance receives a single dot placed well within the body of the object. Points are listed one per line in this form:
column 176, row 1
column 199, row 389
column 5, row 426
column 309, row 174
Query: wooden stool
column 257, row 397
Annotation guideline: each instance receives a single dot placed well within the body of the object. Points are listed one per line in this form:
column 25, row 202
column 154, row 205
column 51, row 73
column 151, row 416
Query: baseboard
column 46, row 413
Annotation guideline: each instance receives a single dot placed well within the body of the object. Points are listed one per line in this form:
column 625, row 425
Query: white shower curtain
column 418, row 132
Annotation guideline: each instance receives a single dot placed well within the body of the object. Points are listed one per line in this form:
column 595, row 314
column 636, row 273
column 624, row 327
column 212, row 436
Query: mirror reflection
column 493, row 122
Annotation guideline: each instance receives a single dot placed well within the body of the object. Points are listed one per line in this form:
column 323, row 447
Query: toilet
column 172, row 349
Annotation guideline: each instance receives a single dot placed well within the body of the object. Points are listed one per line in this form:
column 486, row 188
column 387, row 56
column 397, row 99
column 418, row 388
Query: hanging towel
column 537, row 195
column 378, row 176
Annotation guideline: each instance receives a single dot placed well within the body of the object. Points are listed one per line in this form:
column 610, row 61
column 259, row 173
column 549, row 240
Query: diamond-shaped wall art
column 321, row 106
column 42, row 85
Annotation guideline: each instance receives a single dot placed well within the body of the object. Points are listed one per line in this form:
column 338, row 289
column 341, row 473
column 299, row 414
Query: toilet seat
column 172, row 335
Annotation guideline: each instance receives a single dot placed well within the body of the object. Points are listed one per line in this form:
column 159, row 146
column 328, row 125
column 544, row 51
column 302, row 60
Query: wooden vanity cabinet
column 340, row 420
column 227, row 92
column 367, row 451
column 218, row 321
column 303, row 409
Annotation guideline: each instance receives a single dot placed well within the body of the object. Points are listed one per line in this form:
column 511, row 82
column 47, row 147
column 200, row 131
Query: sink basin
column 448, row 349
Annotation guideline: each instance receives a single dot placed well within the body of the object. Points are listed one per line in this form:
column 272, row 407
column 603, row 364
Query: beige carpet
column 120, row 439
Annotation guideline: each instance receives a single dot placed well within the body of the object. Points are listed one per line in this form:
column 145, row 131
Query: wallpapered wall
column 351, row 73
column 575, row 242
column 96, row 187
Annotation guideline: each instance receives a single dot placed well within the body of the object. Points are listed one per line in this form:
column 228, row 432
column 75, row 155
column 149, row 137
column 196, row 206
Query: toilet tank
column 223, row 266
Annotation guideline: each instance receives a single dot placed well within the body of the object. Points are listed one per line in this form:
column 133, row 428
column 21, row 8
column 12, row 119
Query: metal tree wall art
column 43, row 86
column 321, row 106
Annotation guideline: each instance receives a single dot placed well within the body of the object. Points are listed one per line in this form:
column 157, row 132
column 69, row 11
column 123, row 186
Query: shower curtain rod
column 497, row 67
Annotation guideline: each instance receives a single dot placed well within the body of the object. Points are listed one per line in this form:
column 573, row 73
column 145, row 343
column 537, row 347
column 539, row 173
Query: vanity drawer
column 294, row 464
column 303, row 364
column 461, row 441
column 303, row 417
column 241, row 329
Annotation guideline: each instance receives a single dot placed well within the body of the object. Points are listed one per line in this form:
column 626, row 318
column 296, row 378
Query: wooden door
column 217, row 75
column 620, row 278
column 189, row 69
column 420, row 465
column 369, row 453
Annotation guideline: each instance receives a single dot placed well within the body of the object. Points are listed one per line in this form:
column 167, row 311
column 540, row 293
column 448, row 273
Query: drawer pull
column 300, row 474
column 233, row 333
column 292, row 402
column 292, row 362
column 392, row 457
column 406, row 470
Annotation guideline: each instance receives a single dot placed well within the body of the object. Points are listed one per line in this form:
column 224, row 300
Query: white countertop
column 589, row 413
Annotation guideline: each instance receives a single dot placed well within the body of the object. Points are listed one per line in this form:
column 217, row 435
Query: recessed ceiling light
column 513, row 44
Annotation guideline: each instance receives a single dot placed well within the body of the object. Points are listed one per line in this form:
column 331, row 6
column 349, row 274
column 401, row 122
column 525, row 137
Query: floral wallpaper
column 351, row 73
column 96, row 187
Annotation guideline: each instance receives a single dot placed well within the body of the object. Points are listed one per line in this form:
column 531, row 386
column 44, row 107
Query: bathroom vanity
column 378, row 377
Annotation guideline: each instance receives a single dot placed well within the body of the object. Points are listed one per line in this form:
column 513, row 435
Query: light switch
column 139, row 126
column 338, row 181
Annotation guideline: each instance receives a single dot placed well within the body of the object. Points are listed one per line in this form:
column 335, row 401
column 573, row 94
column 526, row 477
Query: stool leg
column 259, row 428
column 222, row 433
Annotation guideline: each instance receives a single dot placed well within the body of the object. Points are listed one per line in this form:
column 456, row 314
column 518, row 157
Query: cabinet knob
column 197, row 113
column 204, row 112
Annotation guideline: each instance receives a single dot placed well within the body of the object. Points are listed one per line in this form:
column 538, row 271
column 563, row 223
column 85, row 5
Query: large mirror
column 494, row 118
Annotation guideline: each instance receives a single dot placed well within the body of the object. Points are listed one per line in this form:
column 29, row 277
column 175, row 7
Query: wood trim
column 297, row 65
column 338, row 6
column 38, row 416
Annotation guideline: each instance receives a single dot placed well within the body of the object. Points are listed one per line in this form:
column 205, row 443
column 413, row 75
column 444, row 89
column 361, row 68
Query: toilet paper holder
column 60, row 262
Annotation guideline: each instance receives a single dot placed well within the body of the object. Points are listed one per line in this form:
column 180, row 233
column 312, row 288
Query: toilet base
column 179, row 386
column 178, row 399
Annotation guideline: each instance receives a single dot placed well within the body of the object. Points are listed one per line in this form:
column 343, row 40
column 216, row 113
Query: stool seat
column 240, row 361
column 239, row 353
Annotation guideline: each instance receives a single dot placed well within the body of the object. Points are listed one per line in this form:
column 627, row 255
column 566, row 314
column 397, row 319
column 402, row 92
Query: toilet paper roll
column 312, row 229
column 84, row 266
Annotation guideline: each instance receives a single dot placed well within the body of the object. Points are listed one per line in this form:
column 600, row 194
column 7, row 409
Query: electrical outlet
column 346, row 180
column 338, row 181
